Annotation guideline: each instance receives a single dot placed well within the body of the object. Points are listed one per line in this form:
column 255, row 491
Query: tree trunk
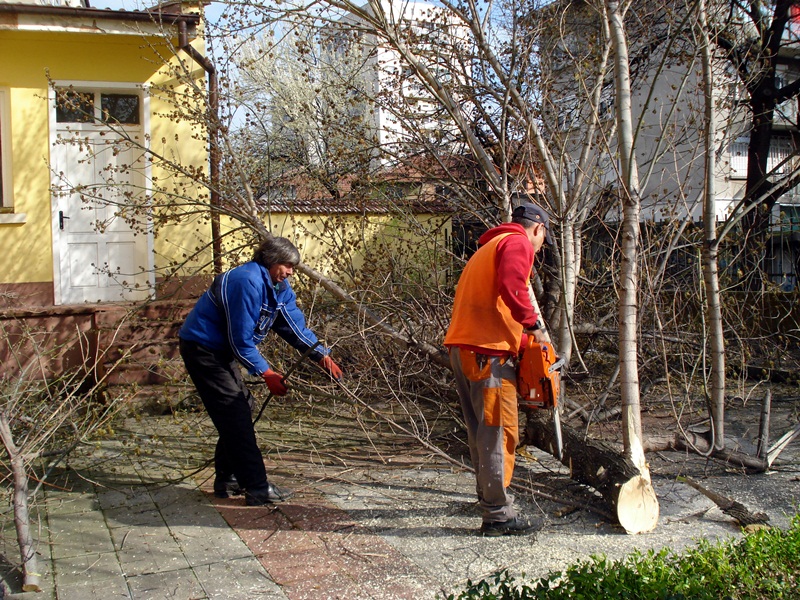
column 30, row 571
column 629, row 274
column 627, row 493
column 710, row 247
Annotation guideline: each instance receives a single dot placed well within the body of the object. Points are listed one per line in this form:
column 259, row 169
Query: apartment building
column 403, row 113
column 668, row 115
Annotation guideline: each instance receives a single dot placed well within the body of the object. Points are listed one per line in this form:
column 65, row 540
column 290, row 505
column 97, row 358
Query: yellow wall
column 359, row 250
column 29, row 58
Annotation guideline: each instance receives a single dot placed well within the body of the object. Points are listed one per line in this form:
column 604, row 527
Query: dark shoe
column 266, row 495
column 225, row 485
column 515, row 526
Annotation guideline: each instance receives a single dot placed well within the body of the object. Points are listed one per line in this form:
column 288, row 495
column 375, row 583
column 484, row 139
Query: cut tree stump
column 628, row 494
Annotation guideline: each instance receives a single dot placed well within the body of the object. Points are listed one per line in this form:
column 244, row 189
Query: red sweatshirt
column 492, row 304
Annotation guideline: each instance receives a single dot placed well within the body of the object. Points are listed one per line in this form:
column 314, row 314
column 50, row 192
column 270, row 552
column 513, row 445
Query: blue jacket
column 240, row 308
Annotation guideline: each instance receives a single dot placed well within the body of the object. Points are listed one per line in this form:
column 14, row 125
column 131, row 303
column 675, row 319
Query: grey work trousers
column 487, row 390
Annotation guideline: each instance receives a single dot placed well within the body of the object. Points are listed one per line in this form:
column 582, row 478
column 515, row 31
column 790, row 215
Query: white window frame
column 7, row 214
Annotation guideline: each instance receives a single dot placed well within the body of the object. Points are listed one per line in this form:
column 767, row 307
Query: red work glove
column 275, row 382
column 326, row 362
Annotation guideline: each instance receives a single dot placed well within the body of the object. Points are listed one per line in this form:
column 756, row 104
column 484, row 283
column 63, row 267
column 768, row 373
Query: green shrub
column 764, row 564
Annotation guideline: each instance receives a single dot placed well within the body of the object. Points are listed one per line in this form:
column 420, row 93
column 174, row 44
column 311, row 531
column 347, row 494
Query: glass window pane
column 74, row 107
column 120, row 108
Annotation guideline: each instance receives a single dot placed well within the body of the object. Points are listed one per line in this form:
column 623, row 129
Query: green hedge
column 764, row 564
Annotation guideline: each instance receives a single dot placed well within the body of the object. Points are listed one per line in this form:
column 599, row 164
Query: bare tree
column 40, row 424
column 710, row 243
column 756, row 38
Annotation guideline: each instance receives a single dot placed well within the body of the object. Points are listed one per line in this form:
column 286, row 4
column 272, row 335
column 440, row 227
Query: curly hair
column 276, row 250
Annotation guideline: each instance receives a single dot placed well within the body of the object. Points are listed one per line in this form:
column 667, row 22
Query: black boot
column 266, row 494
column 225, row 485
column 515, row 526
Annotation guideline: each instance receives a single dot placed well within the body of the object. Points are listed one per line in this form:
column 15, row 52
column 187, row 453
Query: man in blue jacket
column 223, row 331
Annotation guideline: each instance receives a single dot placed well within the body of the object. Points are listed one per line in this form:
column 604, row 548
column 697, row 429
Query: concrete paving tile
column 242, row 579
column 204, row 544
column 94, row 590
column 77, row 534
column 140, row 516
column 90, row 577
column 128, row 498
column 178, row 494
column 76, row 570
column 144, row 550
column 191, row 509
column 70, row 503
column 178, row 585
column 67, row 481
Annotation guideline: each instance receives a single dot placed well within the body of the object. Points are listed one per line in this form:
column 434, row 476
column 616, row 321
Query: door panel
column 102, row 257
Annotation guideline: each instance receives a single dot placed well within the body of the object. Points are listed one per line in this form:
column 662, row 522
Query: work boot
column 225, row 485
column 266, row 494
column 515, row 526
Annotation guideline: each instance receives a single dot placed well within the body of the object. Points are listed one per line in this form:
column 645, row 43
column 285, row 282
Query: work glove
column 277, row 386
column 326, row 362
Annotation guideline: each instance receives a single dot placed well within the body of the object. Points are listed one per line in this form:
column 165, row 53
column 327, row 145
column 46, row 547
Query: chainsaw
column 539, row 381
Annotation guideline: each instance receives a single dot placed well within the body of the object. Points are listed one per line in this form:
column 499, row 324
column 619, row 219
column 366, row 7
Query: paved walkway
column 124, row 522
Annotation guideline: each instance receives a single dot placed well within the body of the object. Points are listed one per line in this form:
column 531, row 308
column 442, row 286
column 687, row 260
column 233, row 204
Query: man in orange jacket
column 492, row 312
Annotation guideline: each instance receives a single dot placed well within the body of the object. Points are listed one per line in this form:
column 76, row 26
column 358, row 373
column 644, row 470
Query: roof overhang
column 63, row 19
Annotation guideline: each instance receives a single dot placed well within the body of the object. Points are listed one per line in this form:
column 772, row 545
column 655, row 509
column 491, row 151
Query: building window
column 120, row 108
column 73, row 106
column 6, row 199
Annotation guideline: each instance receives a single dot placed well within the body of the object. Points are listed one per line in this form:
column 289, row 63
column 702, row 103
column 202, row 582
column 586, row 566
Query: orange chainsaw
column 539, row 381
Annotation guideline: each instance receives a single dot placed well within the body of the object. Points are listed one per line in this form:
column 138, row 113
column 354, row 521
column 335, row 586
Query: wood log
column 730, row 507
column 627, row 492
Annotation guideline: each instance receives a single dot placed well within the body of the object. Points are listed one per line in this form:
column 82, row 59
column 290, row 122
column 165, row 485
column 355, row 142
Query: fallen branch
column 781, row 444
column 698, row 443
column 732, row 508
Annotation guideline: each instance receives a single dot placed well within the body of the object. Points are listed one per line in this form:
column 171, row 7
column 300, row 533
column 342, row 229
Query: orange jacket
column 481, row 318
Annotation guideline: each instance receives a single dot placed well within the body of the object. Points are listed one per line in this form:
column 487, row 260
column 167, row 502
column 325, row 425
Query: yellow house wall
column 342, row 247
column 29, row 58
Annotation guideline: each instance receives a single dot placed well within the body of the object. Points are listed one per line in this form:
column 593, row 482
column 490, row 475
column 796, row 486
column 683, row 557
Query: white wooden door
column 101, row 245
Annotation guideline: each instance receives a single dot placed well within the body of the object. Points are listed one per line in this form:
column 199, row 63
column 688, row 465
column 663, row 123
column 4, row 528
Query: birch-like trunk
column 716, row 341
column 27, row 549
column 629, row 273
column 570, row 267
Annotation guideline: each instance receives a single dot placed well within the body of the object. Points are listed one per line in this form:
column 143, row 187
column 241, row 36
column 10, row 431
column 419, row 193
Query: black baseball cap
column 536, row 214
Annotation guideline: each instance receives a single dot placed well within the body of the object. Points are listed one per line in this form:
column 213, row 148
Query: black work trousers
column 218, row 380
